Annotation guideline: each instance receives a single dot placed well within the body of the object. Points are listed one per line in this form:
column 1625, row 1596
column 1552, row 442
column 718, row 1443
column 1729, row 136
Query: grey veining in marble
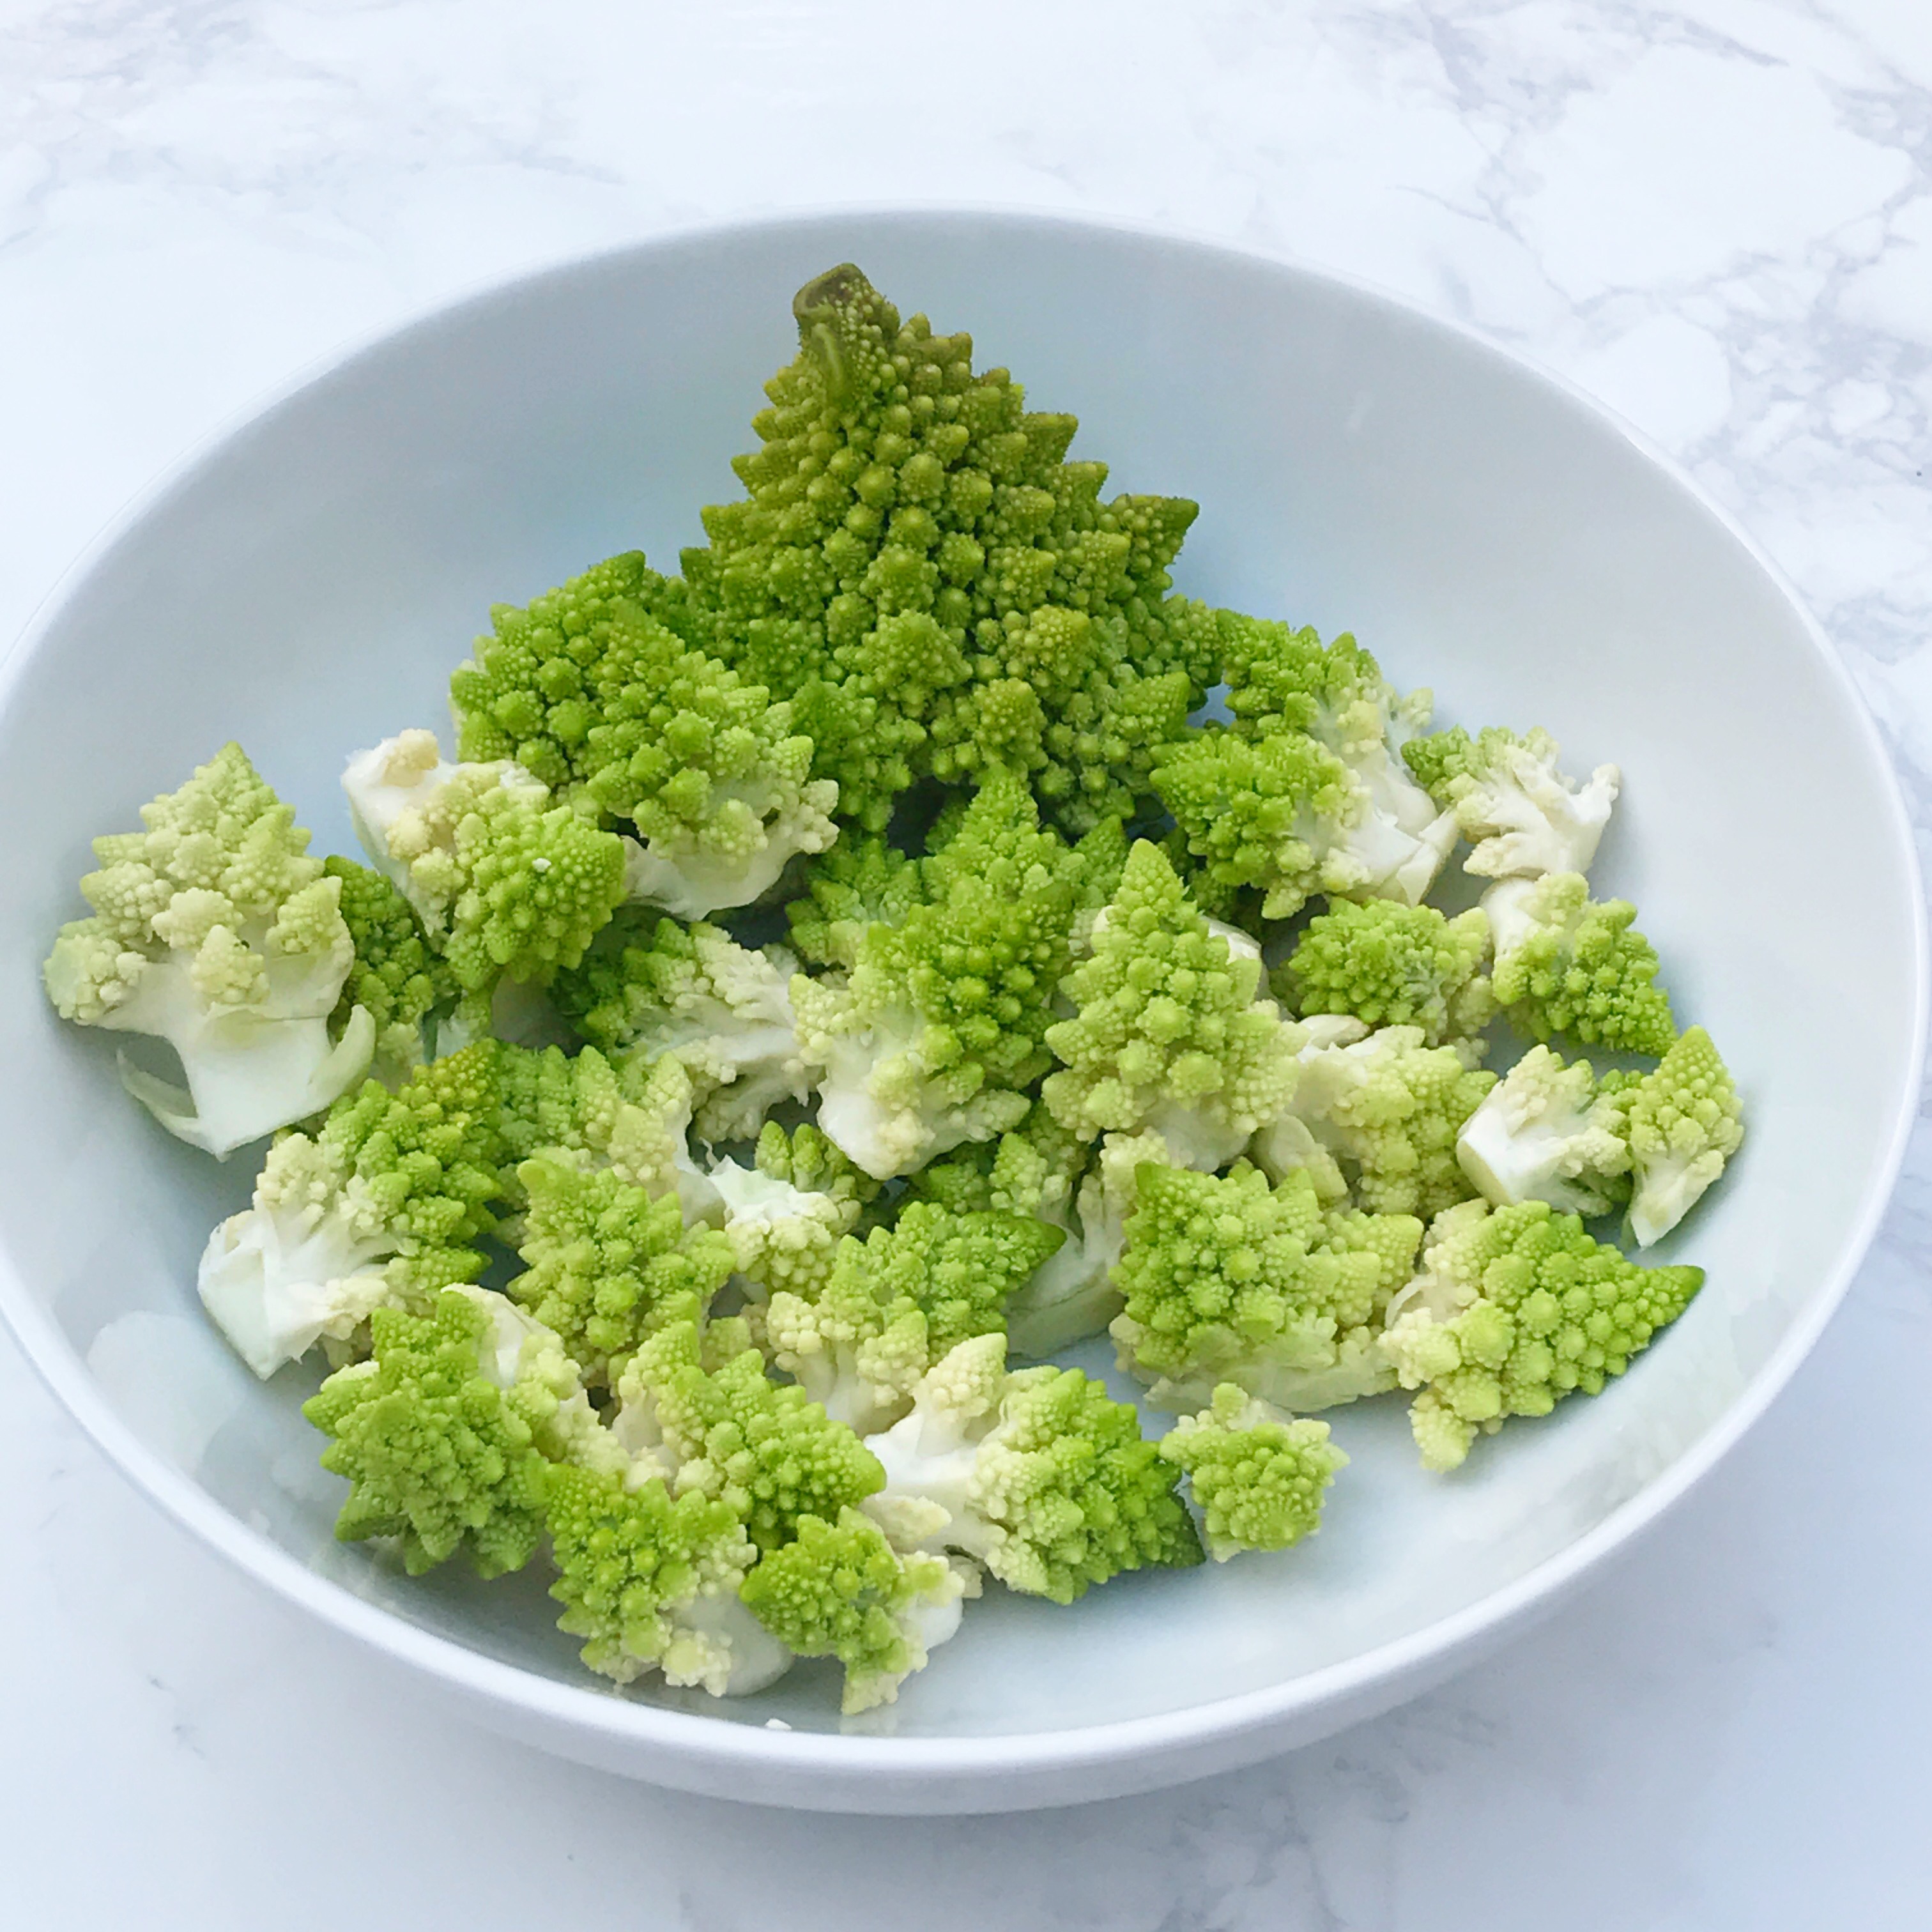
column 1717, row 215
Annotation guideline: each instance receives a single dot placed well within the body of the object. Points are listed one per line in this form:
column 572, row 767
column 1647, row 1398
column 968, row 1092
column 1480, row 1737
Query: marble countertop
column 1717, row 214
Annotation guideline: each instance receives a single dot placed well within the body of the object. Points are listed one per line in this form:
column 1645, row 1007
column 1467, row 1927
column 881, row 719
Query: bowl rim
column 718, row 1748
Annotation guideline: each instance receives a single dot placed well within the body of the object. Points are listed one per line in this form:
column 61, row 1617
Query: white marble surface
column 1717, row 214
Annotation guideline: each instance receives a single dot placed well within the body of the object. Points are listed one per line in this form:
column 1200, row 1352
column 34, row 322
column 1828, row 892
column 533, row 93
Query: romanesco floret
column 764, row 1447
column 1391, row 964
column 437, row 1453
column 897, row 1301
column 1257, row 1475
column 723, row 1008
column 862, row 881
column 942, row 592
column 212, row 930
column 380, row 1205
column 1564, row 965
column 1516, row 1308
column 785, row 1216
column 1227, row 1279
column 839, row 1589
column 397, row 977
column 1168, row 1032
column 1384, row 1110
column 1038, row 1474
column 1510, row 802
column 1544, row 1132
column 606, row 1263
column 1684, row 1124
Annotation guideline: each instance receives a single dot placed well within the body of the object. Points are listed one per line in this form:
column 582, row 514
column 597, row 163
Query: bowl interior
column 308, row 586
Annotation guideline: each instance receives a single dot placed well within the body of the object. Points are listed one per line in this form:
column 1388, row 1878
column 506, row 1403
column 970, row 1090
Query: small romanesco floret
column 1228, row 1279
column 1168, row 1032
column 862, row 881
column 606, row 1263
column 397, row 977
column 726, row 1429
column 1391, row 964
column 1516, row 1308
column 380, row 1205
column 1684, row 1123
column 941, row 1024
column 212, row 930
column 437, row 1451
column 1257, row 1474
column 1564, row 965
column 1511, row 802
column 1544, row 1132
column 724, row 1010
column 650, row 1582
column 785, row 1216
column 1038, row 1474
column 839, row 1589
column 1384, row 1109
column 899, row 1300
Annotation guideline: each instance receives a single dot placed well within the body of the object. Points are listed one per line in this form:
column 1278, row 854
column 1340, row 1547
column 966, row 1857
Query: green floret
column 397, row 977
column 606, row 1263
column 942, row 1023
column 916, row 562
column 653, row 987
column 784, row 1216
column 1168, row 1033
column 1565, row 965
column 730, row 1431
column 1257, row 1474
column 437, row 1452
column 841, row 1590
column 213, row 931
column 381, row 1205
column 1380, row 1113
column 1547, row 1132
column 1038, row 1474
column 1512, row 803
column 898, row 1301
column 1684, row 1122
column 1229, row 1279
column 1390, row 964
column 861, row 882
column 1516, row 1308
column 650, row 1582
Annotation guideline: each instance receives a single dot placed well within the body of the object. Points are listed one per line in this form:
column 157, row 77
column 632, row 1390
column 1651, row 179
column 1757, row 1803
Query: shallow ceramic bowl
column 307, row 583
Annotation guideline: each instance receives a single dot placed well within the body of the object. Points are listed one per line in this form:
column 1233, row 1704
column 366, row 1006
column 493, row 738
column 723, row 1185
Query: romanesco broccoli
column 1683, row 1123
column 1391, row 964
column 1510, row 802
column 1257, row 1474
column 1545, row 1133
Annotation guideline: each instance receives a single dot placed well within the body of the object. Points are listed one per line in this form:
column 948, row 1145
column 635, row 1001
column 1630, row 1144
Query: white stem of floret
column 1512, row 1150
column 753, row 1659
column 690, row 883
column 1526, row 821
column 1507, row 904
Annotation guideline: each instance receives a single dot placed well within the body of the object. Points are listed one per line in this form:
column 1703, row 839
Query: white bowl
column 307, row 583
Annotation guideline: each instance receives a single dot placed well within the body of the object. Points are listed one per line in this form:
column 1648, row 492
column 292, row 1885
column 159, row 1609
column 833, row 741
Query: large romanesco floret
column 785, row 1216
column 1510, row 802
column 1544, row 1132
column 723, row 1008
column 650, row 1582
column 897, row 1301
column 1516, row 1308
column 1038, row 1474
column 1683, row 1123
column 397, row 977
column 212, row 930
column 380, row 1205
column 940, row 591
column 1168, row 1032
column 862, row 881
column 508, row 883
column 439, row 1451
column 724, row 1427
column 606, row 1263
column 1380, row 1112
column 839, row 1589
column 1391, row 964
column 1256, row 1474
column 1228, row 1279
column 941, row 1024
column 601, row 689
column 1564, row 965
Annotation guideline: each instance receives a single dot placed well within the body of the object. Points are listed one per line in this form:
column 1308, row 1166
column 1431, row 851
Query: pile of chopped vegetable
column 825, row 983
